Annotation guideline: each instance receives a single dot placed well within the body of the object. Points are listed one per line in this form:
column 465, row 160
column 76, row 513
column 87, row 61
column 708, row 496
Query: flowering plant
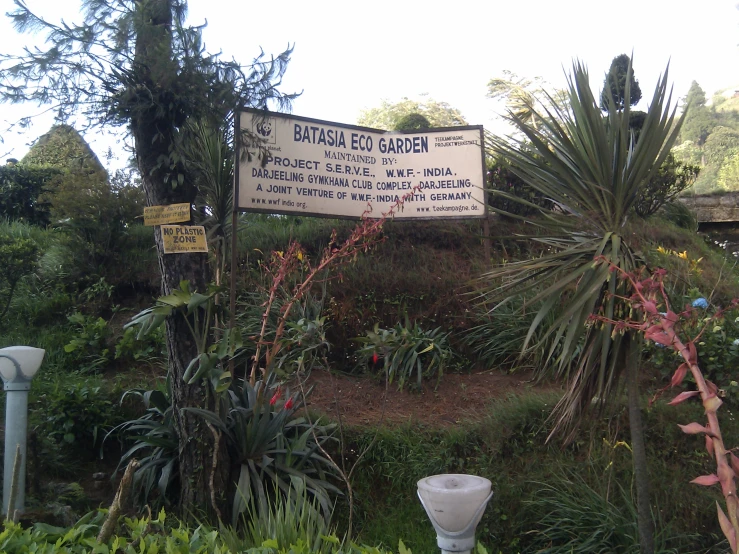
column 660, row 324
column 363, row 237
column 405, row 350
column 717, row 346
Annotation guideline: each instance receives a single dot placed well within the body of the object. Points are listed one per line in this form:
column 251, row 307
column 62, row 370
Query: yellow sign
column 174, row 213
column 184, row 239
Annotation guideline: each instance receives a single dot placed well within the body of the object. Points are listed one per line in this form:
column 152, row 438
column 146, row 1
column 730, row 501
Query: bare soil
column 367, row 401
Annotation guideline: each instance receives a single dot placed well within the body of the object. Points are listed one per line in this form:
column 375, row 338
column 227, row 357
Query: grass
column 576, row 516
column 260, row 234
column 284, row 520
column 575, row 497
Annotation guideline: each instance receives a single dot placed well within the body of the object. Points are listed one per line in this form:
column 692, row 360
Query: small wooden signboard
column 184, row 239
column 173, row 213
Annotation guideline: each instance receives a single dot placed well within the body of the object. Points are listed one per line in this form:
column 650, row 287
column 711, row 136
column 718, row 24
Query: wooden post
column 486, row 241
column 234, row 227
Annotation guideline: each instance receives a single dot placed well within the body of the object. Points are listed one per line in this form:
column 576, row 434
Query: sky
column 349, row 56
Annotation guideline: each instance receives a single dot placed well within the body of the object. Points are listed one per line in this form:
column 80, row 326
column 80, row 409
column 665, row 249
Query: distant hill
column 709, row 138
column 726, row 100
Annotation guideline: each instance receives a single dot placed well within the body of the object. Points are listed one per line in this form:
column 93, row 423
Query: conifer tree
column 614, row 85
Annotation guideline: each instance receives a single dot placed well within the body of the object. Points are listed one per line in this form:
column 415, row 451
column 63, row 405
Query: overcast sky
column 350, row 55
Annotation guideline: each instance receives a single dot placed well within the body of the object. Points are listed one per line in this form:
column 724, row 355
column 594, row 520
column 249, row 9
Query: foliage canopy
column 20, row 189
column 525, row 98
column 389, row 114
column 412, row 122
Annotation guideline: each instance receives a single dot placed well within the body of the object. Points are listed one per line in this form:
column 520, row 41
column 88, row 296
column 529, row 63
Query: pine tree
column 614, row 85
column 700, row 120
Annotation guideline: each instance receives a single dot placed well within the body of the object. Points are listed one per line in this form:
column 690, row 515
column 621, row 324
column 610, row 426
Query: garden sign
column 318, row 168
column 172, row 213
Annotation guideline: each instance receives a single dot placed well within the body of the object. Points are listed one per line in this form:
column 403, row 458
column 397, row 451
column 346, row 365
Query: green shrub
column 680, row 215
column 672, row 178
column 496, row 336
column 160, row 534
column 75, row 414
column 20, row 188
column 404, row 351
column 283, row 520
column 151, row 348
column 303, row 345
column 19, row 258
column 88, row 349
column 510, row 195
column 718, row 351
column 155, row 445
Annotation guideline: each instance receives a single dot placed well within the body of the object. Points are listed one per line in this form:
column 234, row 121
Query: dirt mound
column 363, row 400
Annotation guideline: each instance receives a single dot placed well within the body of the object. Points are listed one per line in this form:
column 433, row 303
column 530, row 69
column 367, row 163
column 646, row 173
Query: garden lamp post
column 18, row 365
column 454, row 504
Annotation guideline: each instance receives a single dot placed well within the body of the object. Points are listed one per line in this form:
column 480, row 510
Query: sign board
column 311, row 167
column 184, row 239
column 174, row 213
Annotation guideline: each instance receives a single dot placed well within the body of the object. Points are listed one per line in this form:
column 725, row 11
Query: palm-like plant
column 592, row 169
column 155, row 445
column 210, row 157
column 275, row 449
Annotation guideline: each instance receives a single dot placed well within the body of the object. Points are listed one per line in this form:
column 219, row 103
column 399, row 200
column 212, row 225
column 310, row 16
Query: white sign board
column 332, row 170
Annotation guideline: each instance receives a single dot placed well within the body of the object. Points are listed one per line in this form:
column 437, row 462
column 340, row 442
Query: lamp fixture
column 20, row 361
column 455, row 503
column 18, row 365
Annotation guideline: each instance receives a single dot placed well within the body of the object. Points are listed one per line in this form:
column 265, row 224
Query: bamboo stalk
column 106, row 531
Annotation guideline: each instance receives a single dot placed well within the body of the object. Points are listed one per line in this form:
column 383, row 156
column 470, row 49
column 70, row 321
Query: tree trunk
column 154, row 130
column 638, row 446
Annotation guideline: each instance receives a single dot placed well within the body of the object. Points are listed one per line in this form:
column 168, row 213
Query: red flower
column 289, row 403
column 276, row 397
column 375, row 357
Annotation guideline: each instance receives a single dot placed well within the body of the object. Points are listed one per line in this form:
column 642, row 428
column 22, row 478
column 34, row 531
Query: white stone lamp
column 18, row 365
column 454, row 504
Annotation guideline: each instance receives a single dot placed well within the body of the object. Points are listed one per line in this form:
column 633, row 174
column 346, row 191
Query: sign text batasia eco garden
column 327, row 169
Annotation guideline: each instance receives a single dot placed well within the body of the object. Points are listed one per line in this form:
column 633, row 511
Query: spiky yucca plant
column 592, row 169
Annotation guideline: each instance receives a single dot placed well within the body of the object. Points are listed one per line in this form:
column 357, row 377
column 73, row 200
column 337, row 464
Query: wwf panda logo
column 264, row 128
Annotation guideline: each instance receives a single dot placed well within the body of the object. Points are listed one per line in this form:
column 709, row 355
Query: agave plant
column 155, row 445
column 406, row 350
column 274, row 449
column 272, row 446
column 592, row 169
